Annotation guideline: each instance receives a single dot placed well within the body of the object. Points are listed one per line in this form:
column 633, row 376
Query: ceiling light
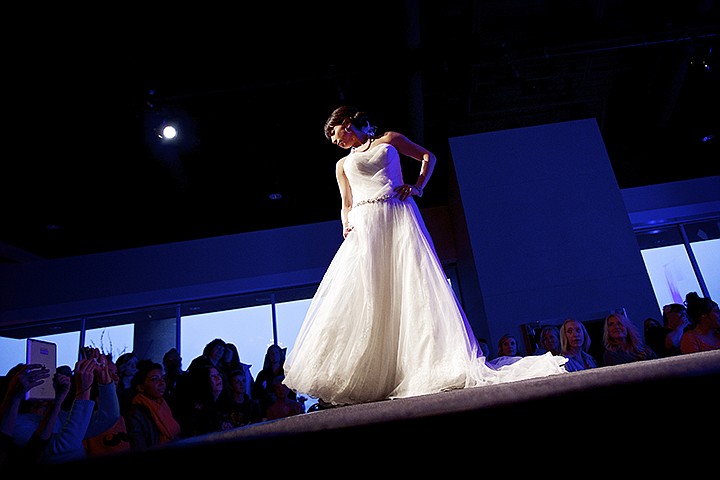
column 168, row 132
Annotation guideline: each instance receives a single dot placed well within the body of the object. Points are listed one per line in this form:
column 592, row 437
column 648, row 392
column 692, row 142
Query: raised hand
column 62, row 385
column 84, row 377
column 27, row 377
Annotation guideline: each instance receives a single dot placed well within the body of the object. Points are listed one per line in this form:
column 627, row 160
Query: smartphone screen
column 44, row 353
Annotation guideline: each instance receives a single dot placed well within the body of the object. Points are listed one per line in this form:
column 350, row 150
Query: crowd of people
column 103, row 406
column 691, row 326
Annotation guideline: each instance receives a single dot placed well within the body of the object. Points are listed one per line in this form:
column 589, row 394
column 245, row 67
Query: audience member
column 654, row 334
column 126, row 369
column 282, row 404
column 704, row 316
column 68, row 372
column 575, row 346
column 484, row 347
column 186, row 397
column 209, row 409
column 665, row 338
column 548, row 340
column 212, row 354
column 622, row 341
column 174, row 376
column 17, row 382
column 231, row 363
column 231, row 358
column 83, row 420
column 115, row 439
column 507, row 346
column 241, row 407
column 149, row 419
column 273, row 364
column 507, row 352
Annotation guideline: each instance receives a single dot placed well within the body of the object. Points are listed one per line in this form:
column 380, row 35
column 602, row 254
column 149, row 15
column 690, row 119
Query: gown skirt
column 384, row 322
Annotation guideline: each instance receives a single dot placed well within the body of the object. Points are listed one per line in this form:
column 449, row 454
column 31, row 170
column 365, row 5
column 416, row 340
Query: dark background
column 84, row 171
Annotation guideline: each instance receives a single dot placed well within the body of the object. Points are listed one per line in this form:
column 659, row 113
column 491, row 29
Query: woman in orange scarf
column 149, row 419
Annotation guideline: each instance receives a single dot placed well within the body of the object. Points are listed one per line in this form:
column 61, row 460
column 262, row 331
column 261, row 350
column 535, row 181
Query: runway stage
column 651, row 403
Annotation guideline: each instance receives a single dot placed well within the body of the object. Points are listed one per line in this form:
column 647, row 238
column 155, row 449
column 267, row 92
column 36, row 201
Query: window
column 682, row 258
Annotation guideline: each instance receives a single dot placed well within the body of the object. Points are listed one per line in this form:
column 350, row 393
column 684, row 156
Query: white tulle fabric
column 384, row 322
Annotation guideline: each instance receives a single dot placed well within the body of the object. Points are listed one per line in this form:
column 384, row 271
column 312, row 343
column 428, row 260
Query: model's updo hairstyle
column 697, row 306
column 360, row 120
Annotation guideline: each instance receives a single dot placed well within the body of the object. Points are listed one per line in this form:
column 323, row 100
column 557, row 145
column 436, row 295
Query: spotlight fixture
column 167, row 132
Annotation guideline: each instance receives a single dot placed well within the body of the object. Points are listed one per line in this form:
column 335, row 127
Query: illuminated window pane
column 250, row 329
column 114, row 340
column 707, row 255
column 290, row 316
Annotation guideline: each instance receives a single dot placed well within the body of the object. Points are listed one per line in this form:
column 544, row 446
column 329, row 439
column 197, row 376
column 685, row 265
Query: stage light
column 166, row 131
column 169, row 132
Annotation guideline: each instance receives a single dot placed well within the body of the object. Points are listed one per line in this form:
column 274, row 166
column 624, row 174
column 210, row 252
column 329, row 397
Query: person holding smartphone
column 14, row 387
column 86, row 417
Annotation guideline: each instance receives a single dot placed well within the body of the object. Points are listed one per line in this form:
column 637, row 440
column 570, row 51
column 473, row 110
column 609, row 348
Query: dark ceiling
column 84, row 171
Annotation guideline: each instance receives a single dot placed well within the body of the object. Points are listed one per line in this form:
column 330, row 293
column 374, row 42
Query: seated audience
column 231, row 362
column 208, row 410
column 231, row 358
column 484, row 347
column 548, row 340
column 19, row 380
column 115, row 439
column 126, row 368
column 174, row 376
column 273, row 364
column 705, row 319
column 241, row 407
column 665, row 339
column 622, row 341
column 575, row 346
column 82, row 421
column 507, row 346
column 507, row 352
column 283, row 405
column 149, row 419
column 212, row 354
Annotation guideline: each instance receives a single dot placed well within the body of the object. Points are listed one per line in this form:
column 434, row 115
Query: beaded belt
column 383, row 198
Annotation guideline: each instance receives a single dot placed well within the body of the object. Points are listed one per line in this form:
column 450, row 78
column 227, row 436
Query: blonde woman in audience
column 705, row 318
column 507, row 346
column 622, row 341
column 549, row 340
column 575, row 344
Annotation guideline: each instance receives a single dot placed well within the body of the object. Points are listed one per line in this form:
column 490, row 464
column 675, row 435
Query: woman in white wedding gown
column 384, row 321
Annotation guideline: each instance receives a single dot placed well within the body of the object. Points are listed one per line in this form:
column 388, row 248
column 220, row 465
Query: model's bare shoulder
column 392, row 136
column 340, row 167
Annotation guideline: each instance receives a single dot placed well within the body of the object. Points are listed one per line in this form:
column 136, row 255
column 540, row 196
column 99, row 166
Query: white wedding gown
column 384, row 322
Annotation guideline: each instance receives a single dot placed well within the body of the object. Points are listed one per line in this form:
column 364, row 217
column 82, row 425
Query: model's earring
column 347, row 129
